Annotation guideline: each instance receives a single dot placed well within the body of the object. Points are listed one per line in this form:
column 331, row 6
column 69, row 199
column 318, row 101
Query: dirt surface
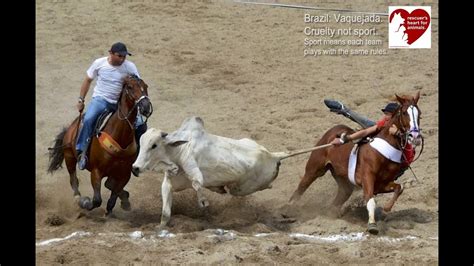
column 241, row 69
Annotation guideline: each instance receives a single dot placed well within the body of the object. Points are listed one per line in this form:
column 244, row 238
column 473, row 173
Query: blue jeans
column 97, row 106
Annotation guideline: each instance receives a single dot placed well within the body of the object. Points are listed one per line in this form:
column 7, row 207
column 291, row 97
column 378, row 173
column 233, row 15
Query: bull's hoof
column 372, row 228
column 125, row 205
column 85, row 203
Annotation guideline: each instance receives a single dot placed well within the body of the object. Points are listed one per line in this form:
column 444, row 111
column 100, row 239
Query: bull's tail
column 56, row 153
column 284, row 155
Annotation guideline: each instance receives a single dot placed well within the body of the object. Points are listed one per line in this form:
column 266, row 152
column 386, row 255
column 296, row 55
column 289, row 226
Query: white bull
column 191, row 157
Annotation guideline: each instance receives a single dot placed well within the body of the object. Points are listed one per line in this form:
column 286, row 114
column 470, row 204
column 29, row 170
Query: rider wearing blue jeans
column 110, row 72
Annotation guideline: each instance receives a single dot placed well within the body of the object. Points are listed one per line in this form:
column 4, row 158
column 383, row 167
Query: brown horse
column 112, row 153
column 373, row 171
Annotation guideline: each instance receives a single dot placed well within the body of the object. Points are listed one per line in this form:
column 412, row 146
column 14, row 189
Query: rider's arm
column 82, row 94
column 85, row 87
column 356, row 135
column 361, row 133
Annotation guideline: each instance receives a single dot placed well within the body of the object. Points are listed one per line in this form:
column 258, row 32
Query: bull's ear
column 177, row 143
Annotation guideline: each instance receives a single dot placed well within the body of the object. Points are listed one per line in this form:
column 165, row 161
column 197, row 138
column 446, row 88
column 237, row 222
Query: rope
column 305, row 151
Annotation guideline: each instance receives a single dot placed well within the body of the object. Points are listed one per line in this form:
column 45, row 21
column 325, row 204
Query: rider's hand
column 393, row 130
column 336, row 141
column 342, row 140
column 80, row 106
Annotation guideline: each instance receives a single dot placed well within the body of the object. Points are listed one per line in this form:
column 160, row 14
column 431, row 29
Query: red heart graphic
column 415, row 23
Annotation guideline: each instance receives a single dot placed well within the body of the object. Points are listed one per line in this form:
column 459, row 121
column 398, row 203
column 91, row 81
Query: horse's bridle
column 405, row 134
column 136, row 101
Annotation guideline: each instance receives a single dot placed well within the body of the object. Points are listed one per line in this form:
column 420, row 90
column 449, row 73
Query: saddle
column 99, row 125
column 107, row 142
column 102, row 121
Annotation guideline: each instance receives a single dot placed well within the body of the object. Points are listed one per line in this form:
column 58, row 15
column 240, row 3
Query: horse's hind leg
column 71, row 168
column 314, row 169
column 344, row 191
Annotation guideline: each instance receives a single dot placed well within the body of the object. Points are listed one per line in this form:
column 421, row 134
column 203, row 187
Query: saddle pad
column 352, row 164
column 113, row 148
column 102, row 121
column 387, row 150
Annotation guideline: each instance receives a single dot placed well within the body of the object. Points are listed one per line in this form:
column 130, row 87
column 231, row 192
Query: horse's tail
column 56, row 153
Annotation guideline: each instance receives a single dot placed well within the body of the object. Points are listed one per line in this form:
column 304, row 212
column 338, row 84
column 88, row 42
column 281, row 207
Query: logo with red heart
column 409, row 27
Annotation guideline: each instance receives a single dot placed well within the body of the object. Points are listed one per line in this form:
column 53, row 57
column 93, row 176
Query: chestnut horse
column 114, row 162
column 373, row 172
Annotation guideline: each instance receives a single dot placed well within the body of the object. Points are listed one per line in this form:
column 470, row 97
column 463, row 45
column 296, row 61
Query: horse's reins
column 78, row 123
column 404, row 141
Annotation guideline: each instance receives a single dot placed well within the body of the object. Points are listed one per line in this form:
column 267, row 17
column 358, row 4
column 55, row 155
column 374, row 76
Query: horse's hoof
column 126, row 206
column 372, row 228
column 85, row 203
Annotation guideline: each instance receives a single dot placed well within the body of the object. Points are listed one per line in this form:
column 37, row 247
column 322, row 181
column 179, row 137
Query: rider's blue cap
column 119, row 48
column 390, row 108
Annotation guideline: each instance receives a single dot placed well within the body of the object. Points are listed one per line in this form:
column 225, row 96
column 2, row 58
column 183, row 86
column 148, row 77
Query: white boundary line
column 231, row 235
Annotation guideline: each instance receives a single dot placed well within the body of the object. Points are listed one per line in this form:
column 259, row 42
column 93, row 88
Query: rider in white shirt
column 110, row 72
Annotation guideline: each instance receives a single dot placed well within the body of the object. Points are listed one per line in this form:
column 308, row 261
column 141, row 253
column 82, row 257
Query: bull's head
column 156, row 152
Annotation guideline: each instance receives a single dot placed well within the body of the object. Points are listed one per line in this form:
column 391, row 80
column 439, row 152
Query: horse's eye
column 154, row 146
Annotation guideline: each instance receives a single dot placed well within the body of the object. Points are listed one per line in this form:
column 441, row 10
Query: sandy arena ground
column 241, row 69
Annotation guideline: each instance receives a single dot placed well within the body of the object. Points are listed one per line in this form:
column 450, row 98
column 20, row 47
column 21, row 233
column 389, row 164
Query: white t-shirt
column 110, row 78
